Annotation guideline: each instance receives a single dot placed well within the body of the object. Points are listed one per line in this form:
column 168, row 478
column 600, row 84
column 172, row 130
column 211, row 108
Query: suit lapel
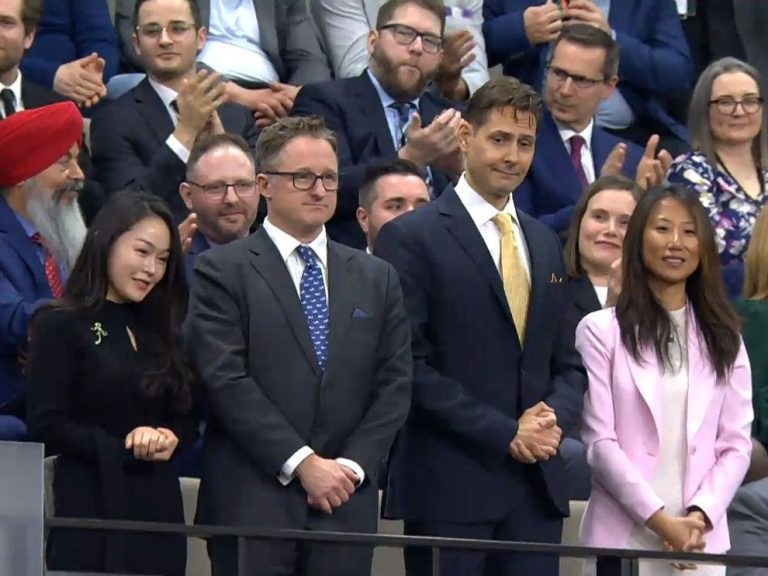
column 371, row 109
column 153, row 110
column 646, row 379
column 17, row 239
column 267, row 261
column 583, row 295
column 701, row 378
column 556, row 155
column 265, row 14
column 601, row 149
column 341, row 295
column 463, row 229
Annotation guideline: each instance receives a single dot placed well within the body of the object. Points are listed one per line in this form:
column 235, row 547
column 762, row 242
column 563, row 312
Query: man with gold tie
column 496, row 376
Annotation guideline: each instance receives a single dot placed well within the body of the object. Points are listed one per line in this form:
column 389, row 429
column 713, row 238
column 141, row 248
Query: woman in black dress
column 110, row 394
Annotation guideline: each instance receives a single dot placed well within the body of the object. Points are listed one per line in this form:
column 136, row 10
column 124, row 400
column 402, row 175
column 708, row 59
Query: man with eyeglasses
column 220, row 189
column 386, row 112
column 143, row 139
column 303, row 349
column 571, row 150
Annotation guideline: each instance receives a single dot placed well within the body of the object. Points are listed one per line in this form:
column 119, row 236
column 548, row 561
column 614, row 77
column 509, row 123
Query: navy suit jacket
column 23, row 287
column 198, row 246
column 552, row 188
column 655, row 60
column 129, row 151
column 352, row 109
column 472, row 380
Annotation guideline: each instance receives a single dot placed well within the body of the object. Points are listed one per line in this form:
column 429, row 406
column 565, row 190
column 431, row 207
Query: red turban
column 32, row 140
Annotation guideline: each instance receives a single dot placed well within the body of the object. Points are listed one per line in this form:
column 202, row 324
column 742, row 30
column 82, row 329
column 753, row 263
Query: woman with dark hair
column 728, row 167
column 668, row 410
column 109, row 391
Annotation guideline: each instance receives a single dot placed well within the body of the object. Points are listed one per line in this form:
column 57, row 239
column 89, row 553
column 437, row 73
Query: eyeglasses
column 217, row 190
column 307, row 180
column 175, row 30
column 727, row 105
column 581, row 82
column 405, row 36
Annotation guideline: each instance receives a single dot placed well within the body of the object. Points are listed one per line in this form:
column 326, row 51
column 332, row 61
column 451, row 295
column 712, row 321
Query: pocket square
column 357, row 313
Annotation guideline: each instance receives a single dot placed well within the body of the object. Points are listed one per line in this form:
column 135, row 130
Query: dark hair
column 388, row 9
column 591, row 37
column 208, row 142
column 643, row 322
column 162, row 310
column 503, row 92
column 31, row 11
column 276, row 136
column 194, row 7
column 571, row 252
column 367, row 193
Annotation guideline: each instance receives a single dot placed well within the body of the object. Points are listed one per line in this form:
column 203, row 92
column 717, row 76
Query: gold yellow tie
column 517, row 287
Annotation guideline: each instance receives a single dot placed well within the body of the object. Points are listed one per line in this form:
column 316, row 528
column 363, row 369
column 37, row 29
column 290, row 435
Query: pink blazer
column 621, row 409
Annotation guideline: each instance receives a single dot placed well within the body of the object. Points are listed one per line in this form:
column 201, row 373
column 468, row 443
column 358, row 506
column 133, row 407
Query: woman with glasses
column 728, row 168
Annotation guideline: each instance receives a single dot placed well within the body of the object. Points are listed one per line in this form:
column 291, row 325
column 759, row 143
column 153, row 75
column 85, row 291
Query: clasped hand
column 152, row 444
column 538, row 435
column 328, row 484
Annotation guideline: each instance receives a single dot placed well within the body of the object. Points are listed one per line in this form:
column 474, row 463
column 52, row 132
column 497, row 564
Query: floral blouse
column 731, row 210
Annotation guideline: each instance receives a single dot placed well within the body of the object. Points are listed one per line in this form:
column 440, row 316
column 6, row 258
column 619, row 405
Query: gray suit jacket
column 286, row 35
column 266, row 397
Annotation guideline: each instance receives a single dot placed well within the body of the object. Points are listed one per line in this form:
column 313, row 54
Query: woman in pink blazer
column 668, row 411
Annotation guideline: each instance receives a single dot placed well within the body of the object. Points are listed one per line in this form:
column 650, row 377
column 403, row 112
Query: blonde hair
column 756, row 260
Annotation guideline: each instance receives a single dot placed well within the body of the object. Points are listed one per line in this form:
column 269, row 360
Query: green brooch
column 99, row 332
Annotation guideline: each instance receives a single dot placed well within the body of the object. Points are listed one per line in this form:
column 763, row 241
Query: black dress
column 84, row 397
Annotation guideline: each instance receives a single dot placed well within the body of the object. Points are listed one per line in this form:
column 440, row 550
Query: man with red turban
column 41, row 232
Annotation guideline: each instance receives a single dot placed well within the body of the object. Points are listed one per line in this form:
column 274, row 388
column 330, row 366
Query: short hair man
column 143, row 139
column 220, row 189
column 386, row 112
column 303, row 349
column 496, row 374
column 389, row 189
column 41, row 232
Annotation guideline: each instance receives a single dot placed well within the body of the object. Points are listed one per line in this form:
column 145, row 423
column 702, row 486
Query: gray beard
column 61, row 225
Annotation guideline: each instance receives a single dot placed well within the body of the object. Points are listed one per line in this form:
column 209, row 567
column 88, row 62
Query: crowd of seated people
column 308, row 250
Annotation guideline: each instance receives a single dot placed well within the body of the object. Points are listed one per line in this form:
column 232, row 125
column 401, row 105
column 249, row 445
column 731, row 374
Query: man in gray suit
column 303, row 349
column 267, row 48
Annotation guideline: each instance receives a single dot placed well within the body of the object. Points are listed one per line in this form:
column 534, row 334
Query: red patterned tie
column 52, row 273
column 577, row 143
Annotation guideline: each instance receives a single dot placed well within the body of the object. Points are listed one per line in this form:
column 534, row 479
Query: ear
column 610, row 86
column 262, row 186
column 185, row 191
column 373, row 37
column 362, row 219
column 29, row 38
column 135, row 43
column 202, row 36
column 465, row 134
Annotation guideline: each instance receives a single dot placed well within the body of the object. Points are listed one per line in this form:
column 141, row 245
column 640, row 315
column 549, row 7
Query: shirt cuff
column 354, row 466
column 178, row 148
column 289, row 468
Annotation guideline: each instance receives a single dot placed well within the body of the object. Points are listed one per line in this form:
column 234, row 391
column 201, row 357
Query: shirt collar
column 167, row 95
column 15, row 87
column 567, row 133
column 287, row 244
column 29, row 228
column 479, row 209
column 385, row 98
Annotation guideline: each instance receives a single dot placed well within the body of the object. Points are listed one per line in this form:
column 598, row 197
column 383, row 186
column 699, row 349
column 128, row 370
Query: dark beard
column 386, row 74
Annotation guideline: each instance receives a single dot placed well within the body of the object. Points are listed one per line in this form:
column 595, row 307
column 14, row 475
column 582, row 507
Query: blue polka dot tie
column 314, row 303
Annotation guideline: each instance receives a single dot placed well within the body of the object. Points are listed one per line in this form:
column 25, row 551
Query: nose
column 738, row 109
column 416, row 46
column 611, row 227
column 230, row 196
column 149, row 266
column 165, row 38
column 74, row 171
column 567, row 87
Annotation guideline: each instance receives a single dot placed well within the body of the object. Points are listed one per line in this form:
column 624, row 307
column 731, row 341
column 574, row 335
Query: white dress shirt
column 587, row 160
column 287, row 245
column 482, row 214
column 14, row 87
column 168, row 95
column 233, row 45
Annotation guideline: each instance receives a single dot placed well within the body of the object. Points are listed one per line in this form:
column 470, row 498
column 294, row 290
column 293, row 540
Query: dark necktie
column 52, row 273
column 312, row 291
column 9, row 101
column 403, row 110
column 577, row 143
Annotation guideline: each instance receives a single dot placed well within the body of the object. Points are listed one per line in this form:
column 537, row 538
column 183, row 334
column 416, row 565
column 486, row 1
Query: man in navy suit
column 142, row 139
column 386, row 112
column 41, row 232
column 220, row 189
column 655, row 60
column 571, row 151
column 495, row 378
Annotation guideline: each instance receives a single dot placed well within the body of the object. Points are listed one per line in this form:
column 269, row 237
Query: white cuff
column 178, row 148
column 286, row 472
column 354, row 466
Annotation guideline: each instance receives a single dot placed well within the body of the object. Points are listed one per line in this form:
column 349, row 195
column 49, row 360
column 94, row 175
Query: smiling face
column 14, row 40
column 138, row 260
column 602, row 230
column 670, row 244
column 498, row 153
column 739, row 126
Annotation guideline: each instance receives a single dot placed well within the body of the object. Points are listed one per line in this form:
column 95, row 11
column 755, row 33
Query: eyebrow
column 151, row 245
